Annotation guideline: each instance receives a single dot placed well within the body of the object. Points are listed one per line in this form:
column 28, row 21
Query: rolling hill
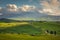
column 29, row 30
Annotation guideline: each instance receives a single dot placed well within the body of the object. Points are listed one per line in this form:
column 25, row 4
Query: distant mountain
column 7, row 20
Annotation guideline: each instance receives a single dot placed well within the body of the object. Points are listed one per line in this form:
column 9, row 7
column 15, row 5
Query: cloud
column 51, row 7
column 0, row 9
column 26, row 8
column 12, row 7
column 12, row 10
column 40, row 11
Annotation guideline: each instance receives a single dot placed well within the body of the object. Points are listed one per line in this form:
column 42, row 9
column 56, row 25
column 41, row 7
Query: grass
column 29, row 31
column 27, row 37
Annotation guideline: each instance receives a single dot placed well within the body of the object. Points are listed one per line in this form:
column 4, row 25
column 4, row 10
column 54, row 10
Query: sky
column 30, row 9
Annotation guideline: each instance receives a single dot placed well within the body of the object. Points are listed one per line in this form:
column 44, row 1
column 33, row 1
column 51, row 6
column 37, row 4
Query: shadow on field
column 22, row 29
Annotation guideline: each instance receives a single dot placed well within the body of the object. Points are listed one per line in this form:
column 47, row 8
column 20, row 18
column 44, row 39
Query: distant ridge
column 7, row 20
column 11, row 20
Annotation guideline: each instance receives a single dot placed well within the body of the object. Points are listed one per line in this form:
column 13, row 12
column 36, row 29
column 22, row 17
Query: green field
column 27, row 37
column 29, row 30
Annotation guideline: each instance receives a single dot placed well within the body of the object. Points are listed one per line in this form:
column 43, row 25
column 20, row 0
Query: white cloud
column 40, row 11
column 26, row 8
column 47, row 10
column 12, row 7
column 51, row 8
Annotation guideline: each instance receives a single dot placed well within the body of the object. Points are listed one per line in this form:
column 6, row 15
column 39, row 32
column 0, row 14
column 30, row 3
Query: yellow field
column 12, row 24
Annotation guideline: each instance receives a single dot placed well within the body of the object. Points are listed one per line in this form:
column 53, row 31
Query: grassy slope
column 30, row 27
column 27, row 37
column 21, row 29
column 51, row 26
